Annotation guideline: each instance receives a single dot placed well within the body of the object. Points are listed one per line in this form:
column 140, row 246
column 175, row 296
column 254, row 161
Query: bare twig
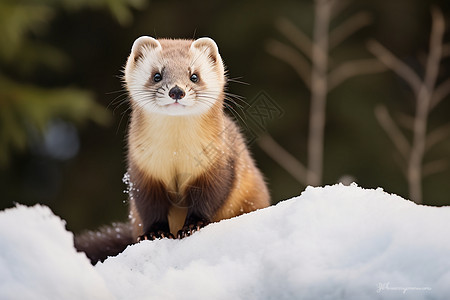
column 353, row 68
column 283, row 158
column 349, row 27
column 436, row 136
column 435, row 55
column 296, row 36
column 396, row 65
column 293, row 58
column 434, row 167
column 440, row 93
column 391, row 129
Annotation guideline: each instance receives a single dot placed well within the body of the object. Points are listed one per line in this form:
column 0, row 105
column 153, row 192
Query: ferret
column 188, row 164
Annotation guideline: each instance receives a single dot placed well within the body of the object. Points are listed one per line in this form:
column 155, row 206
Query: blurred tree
column 313, row 64
column 428, row 93
column 26, row 109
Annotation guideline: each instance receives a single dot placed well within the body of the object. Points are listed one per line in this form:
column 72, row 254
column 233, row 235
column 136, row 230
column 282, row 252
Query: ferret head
column 175, row 77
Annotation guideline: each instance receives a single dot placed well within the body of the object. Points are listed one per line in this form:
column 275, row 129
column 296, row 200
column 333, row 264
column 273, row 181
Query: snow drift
column 335, row 242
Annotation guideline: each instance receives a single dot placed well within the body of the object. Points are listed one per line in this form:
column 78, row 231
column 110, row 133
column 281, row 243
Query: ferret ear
column 208, row 46
column 143, row 43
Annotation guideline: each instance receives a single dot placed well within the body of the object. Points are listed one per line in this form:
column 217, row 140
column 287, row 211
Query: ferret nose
column 176, row 93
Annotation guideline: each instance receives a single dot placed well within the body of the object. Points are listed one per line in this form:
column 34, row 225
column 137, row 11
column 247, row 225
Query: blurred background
column 63, row 111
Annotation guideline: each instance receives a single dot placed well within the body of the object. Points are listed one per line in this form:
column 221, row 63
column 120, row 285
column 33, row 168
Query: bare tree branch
column 353, row 68
column 434, row 167
column 437, row 135
column 296, row 36
column 435, row 55
column 319, row 90
column 415, row 167
column 349, row 27
column 292, row 58
column 396, row 65
column 427, row 97
column 391, row 129
column 440, row 93
column 283, row 158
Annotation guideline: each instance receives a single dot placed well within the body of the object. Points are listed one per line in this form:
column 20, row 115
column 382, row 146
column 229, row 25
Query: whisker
column 236, row 115
column 204, row 97
column 125, row 113
column 236, row 80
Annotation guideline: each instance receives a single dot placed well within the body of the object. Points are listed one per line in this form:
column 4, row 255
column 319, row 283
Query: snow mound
column 335, row 242
column 38, row 259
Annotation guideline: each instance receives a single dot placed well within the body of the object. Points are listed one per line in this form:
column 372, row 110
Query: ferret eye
column 194, row 78
column 157, row 77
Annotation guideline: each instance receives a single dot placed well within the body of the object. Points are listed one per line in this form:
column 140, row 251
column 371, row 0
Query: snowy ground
column 335, row 242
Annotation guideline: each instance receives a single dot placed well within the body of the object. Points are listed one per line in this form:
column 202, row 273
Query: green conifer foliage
column 26, row 108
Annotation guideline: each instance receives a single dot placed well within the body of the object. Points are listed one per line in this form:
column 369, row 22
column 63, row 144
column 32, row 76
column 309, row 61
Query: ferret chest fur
column 172, row 149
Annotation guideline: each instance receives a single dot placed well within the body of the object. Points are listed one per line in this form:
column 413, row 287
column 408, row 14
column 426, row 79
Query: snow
column 38, row 260
column 333, row 242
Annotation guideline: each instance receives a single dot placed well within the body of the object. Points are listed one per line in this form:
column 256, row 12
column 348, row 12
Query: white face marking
column 194, row 102
column 175, row 67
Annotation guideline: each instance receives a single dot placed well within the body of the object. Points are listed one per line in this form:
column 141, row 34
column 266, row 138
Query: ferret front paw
column 189, row 229
column 155, row 235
